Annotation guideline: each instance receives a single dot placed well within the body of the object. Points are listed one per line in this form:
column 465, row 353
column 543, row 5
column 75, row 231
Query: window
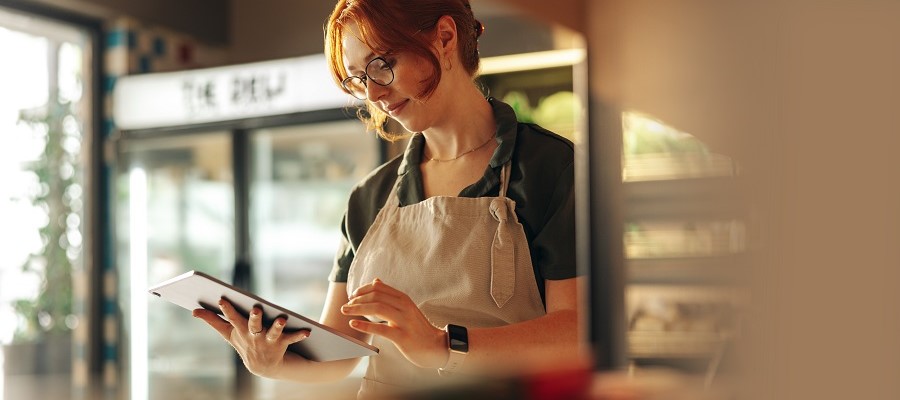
column 45, row 117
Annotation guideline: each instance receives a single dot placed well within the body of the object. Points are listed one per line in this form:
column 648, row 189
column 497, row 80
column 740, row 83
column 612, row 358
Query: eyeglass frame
column 366, row 77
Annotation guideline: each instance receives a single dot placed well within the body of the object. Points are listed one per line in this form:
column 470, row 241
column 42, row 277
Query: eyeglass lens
column 377, row 70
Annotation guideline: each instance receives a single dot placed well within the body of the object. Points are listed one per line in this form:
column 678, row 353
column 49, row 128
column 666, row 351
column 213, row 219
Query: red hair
column 394, row 25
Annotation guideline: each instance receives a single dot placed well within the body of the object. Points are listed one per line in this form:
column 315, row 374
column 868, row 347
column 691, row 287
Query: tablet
column 194, row 289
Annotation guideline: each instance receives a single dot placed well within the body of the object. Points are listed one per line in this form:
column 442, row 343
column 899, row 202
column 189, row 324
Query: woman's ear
column 446, row 34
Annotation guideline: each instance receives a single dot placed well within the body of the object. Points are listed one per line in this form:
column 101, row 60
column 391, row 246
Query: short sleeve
column 554, row 245
column 343, row 257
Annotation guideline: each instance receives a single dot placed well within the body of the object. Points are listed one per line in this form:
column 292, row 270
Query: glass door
column 175, row 213
column 302, row 176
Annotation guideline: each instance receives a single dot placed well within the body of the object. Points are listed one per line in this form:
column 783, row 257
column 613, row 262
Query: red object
column 564, row 384
column 185, row 53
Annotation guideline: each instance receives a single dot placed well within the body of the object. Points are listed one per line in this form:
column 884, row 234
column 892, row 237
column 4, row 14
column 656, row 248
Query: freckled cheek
column 413, row 76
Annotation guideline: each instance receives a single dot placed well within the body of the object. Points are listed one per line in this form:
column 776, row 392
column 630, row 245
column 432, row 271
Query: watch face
column 459, row 338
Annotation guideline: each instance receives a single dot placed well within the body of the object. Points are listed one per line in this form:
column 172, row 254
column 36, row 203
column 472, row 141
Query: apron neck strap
column 504, row 178
column 393, row 200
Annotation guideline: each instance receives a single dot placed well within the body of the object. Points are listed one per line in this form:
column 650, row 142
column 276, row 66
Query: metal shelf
column 699, row 198
column 674, row 344
column 658, row 204
column 688, row 271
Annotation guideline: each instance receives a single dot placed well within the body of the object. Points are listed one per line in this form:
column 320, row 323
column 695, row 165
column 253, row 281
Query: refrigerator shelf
column 675, row 344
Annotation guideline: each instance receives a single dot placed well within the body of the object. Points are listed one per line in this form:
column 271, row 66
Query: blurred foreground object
column 578, row 384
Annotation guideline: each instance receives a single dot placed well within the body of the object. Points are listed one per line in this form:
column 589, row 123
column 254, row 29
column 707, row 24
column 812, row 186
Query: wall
column 565, row 13
column 256, row 31
column 276, row 29
column 204, row 20
column 803, row 94
column 286, row 28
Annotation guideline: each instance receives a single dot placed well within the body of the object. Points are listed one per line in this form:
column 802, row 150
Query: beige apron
column 461, row 260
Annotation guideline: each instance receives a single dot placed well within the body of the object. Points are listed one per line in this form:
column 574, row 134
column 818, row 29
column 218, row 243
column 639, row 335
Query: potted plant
column 42, row 340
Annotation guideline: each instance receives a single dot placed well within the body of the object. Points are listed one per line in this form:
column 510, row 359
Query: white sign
column 226, row 93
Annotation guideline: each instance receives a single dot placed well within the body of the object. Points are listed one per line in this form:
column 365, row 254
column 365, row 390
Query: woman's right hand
column 262, row 350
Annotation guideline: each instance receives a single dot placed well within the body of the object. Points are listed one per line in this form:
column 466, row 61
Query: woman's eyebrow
column 367, row 58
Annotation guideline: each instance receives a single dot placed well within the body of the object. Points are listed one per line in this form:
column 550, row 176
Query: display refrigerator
column 242, row 172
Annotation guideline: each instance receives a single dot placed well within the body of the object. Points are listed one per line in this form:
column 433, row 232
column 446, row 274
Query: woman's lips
column 395, row 109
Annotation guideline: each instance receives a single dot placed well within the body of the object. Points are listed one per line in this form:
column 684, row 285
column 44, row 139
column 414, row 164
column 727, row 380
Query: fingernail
column 354, row 323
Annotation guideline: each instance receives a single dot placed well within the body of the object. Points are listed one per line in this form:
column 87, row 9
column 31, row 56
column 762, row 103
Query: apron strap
column 503, row 247
column 504, row 178
column 392, row 199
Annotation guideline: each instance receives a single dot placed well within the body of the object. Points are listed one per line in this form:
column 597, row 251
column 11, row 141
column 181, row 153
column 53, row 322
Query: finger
column 379, row 297
column 294, row 337
column 380, row 285
column 373, row 328
column 212, row 319
column 276, row 329
column 254, row 323
column 377, row 291
column 380, row 310
column 377, row 286
column 232, row 316
column 367, row 288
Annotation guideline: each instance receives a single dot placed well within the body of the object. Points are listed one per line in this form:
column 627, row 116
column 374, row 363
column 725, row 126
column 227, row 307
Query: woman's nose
column 375, row 91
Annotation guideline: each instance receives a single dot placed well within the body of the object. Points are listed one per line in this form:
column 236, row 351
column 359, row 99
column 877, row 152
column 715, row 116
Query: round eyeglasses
column 378, row 70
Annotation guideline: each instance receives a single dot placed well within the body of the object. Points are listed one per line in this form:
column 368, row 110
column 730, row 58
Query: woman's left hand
column 404, row 324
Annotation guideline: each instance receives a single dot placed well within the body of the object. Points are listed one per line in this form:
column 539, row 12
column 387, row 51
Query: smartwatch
column 458, row 344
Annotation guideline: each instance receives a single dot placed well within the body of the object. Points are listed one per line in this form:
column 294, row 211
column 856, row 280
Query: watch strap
column 458, row 345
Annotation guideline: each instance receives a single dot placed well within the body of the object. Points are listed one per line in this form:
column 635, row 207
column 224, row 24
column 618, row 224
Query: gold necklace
column 461, row 154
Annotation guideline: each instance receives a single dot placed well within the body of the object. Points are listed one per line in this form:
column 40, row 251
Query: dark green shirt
column 541, row 184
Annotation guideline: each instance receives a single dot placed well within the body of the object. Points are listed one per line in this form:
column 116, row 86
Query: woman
column 458, row 256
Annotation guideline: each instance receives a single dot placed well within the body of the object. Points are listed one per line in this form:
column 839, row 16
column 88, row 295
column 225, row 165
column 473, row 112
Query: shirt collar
column 409, row 178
